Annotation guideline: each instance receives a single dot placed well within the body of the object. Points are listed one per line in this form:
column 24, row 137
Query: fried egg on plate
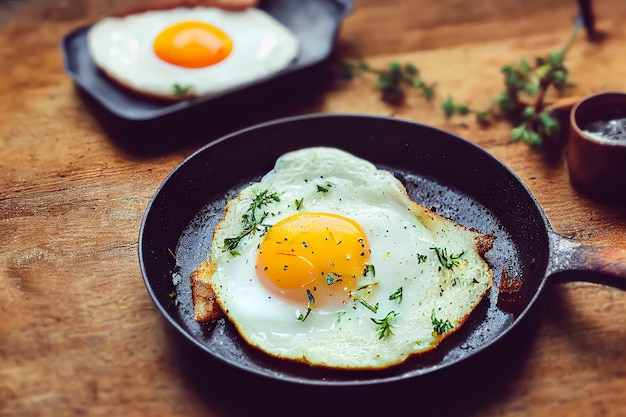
column 185, row 52
column 327, row 261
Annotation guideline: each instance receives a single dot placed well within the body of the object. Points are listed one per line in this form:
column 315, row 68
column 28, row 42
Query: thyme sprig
column 250, row 220
column 392, row 81
column 384, row 325
column 523, row 100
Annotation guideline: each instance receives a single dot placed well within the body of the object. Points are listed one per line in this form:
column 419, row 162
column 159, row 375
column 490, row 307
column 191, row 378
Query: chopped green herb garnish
column 332, row 278
column 384, row 325
column 363, row 287
column 309, row 295
column 369, row 269
column 449, row 261
column 180, row 91
column 298, row 203
column 372, row 308
column 249, row 219
column 324, row 188
column 421, row 258
column 440, row 326
column 303, row 317
column 396, row 295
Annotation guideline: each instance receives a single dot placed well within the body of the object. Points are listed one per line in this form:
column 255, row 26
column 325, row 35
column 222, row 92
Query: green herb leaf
column 298, row 203
column 439, row 326
column 369, row 269
column 462, row 109
column 525, row 66
column 384, row 325
column 411, row 69
column 532, row 138
column 504, row 101
column 429, row 92
column 448, row 261
column 324, row 188
column 347, row 71
column 180, row 91
column 482, row 116
column 532, row 89
column 364, row 66
column 397, row 295
column 448, row 107
column 556, row 58
column 372, row 308
column 549, row 124
column 303, row 317
column 516, row 133
column 528, row 112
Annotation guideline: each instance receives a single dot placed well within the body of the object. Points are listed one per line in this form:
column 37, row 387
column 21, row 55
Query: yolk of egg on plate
column 301, row 255
column 327, row 261
column 187, row 52
column 192, row 44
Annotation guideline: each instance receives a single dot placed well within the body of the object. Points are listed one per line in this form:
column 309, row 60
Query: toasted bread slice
column 205, row 307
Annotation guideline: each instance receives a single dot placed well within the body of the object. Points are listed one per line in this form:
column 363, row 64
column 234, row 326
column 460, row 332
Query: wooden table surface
column 79, row 334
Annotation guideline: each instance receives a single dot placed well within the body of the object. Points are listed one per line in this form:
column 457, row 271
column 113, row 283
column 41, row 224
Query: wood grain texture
column 79, row 334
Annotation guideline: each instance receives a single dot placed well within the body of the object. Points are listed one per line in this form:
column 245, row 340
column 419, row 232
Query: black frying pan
column 442, row 171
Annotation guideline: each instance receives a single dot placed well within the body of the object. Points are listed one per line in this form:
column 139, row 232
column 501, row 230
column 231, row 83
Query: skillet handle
column 601, row 264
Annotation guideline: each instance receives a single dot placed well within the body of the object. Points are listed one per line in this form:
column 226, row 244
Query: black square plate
column 314, row 22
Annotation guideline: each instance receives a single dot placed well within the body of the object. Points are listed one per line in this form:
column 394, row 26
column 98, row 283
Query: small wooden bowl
column 597, row 167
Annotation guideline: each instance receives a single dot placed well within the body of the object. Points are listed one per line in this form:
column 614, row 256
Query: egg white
column 123, row 48
column 398, row 229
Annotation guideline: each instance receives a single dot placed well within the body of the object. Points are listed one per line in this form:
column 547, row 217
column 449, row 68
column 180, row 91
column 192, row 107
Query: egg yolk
column 192, row 45
column 313, row 258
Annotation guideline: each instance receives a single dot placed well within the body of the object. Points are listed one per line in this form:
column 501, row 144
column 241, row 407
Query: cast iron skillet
column 453, row 176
